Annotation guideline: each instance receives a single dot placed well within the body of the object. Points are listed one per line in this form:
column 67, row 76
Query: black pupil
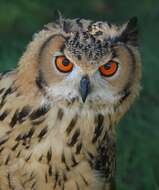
column 65, row 62
column 107, row 66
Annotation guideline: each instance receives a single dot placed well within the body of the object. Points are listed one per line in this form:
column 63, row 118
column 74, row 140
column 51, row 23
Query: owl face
column 94, row 64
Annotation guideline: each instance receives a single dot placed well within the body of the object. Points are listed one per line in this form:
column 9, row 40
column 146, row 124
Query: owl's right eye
column 63, row 64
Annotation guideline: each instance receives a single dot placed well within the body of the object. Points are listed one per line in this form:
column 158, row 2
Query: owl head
column 93, row 65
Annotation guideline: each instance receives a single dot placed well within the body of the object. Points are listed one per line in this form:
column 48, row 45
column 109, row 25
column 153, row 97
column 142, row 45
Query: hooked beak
column 84, row 87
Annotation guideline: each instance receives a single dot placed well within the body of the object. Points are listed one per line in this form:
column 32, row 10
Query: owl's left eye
column 109, row 69
column 63, row 64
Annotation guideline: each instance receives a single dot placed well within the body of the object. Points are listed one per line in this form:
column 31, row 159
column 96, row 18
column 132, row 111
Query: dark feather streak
column 71, row 125
column 20, row 116
column 50, row 170
column 6, row 93
column 9, row 182
column 1, row 149
column 1, row 90
column 2, row 141
column 74, row 138
column 46, row 178
column 3, row 115
column 40, row 158
column 18, row 154
column 49, row 155
column 40, row 81
column 74, row 162
column 60, row 114
column 14, row 119
column 29, row 134
column 28, row 158
column 7, row 160
column 99, row 127
column 41, row 111
column 126, row 94
column 38, row 122
column 15, row 146
column 63, row 159
column 56, row 178
column 24, row 113
column 78, row 148
column 83, row 178
column 42, row 133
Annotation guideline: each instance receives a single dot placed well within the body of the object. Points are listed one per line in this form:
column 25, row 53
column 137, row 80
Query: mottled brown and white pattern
column 53, row 135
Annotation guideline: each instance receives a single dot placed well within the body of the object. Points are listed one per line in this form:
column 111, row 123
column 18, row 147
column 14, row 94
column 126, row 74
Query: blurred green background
column 138, row 132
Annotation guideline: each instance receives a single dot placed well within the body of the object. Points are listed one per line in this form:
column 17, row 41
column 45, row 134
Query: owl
column 59, row 108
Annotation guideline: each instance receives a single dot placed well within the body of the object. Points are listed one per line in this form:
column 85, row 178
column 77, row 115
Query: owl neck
column 91, row 128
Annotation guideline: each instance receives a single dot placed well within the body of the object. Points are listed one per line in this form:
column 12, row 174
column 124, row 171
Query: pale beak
column 84, row 87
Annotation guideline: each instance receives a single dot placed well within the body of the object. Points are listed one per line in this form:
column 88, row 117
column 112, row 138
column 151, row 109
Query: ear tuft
column 58, row 17
column 132, row 23
column 64, row 24
column 130, row 32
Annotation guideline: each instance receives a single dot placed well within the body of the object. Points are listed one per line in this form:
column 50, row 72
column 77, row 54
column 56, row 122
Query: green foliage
column 138, row 152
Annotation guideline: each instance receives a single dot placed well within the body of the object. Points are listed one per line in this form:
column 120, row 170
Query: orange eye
column 63, row 64
column 109, row 68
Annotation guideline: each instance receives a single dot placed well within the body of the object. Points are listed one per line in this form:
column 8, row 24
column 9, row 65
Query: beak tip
column 84, row 87
column 83, row 99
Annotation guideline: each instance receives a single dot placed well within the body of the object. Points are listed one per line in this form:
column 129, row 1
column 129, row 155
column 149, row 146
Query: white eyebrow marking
column 74, row 74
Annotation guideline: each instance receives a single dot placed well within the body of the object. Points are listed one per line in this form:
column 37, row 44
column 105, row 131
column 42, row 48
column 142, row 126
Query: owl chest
column 64, row 155
column 70, row 156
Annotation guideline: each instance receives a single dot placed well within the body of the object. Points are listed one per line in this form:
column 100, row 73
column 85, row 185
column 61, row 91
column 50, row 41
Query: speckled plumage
column 51, row 139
